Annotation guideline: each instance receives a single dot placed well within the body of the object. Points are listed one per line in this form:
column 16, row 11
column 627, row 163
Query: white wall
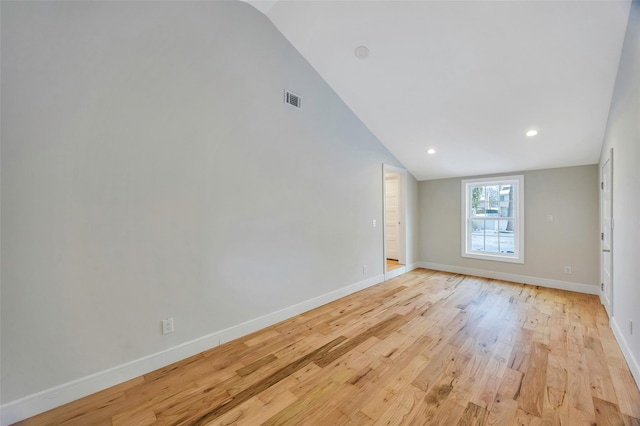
column 623, row 135
column 569, row 194
column 150, row 170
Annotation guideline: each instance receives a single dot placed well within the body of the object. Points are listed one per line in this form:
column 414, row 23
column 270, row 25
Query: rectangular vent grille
column 292, row 99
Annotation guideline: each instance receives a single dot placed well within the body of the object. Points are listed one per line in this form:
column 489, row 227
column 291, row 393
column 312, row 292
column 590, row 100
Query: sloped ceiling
column 467, row 78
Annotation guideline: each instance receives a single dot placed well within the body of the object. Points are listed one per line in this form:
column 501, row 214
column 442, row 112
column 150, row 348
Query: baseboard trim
column 399, row 271
column 626, row 351
column 395, row 273
column 542, row 282
column 40, row 402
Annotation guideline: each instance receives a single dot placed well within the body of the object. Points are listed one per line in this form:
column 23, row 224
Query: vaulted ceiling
column 467, row 79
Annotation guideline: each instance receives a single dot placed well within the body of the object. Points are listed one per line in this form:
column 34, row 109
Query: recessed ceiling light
column 431, row 151
column 531, row 132
column 362, row 52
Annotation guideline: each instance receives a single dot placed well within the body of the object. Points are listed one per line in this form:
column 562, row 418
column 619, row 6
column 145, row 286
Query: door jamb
column 608, row 307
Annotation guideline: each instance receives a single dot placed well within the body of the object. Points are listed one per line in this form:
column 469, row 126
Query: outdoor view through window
column 492, row 218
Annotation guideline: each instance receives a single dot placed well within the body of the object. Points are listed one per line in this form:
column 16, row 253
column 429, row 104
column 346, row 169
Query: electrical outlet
column 373, row 222
column 630, row 327
column 364, row 269
column 567, row 269
column 167, row 326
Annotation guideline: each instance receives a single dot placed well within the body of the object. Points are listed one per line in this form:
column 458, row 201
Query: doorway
column 394, row 215
column 606, row 229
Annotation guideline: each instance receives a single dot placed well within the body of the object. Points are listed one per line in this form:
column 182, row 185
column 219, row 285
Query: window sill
column 494, row 257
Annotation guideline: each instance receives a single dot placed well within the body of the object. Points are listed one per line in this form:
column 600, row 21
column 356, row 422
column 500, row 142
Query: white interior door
column 606, row 255
column 392, row 216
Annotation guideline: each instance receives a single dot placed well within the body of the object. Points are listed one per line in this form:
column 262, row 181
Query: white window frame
column 518, row 219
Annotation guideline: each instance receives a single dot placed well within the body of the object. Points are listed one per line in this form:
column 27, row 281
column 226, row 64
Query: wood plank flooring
column 426, row 348
column 393, row 264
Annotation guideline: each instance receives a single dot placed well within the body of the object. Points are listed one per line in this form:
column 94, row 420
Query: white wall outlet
column 364, row 269
column 373, row 223
column 167, row 326
column 549, row 218
column 567, row 269
column 630, row 327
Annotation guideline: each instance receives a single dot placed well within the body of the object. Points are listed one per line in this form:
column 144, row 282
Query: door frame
column 402, row 234
column 603, row 299
column 392, row 251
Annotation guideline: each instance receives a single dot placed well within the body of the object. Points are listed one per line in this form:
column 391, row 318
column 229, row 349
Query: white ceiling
column 467, row 78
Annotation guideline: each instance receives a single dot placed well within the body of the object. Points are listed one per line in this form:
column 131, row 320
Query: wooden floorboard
column 427, row 347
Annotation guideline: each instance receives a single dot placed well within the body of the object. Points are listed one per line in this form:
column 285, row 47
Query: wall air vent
column 292, row 99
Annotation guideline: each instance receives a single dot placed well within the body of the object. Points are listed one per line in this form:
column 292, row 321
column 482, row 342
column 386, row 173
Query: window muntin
column 493, row 218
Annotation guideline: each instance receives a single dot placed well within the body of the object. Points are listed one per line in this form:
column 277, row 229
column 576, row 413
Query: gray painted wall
column 150, row 170
column 623, row 135
column 569, row 194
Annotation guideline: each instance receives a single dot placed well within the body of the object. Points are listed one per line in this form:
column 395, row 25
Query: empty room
column 349, row 212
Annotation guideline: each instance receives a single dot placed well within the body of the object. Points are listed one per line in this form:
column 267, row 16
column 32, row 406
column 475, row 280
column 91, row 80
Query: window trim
column 518, row 256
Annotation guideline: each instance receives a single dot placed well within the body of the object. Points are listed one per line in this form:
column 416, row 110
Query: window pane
column 507, row 197
column 477, row 235
column 491, row 242
column 492, row 200
column 476, row 193
column 507, row 238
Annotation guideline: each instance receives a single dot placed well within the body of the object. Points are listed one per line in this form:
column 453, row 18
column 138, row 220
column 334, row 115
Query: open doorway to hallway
column 394, row 189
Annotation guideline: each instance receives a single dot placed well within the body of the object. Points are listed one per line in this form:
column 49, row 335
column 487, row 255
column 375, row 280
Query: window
column 493, row 218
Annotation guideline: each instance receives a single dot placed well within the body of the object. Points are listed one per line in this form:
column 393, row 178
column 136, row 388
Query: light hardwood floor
column 393, row 264
column 426, row 348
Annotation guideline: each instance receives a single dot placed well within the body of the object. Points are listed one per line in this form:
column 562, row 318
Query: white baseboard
column 542, row 282
column 399, row 271
column 628, row 355
column 51, row 398
column 395, row 273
